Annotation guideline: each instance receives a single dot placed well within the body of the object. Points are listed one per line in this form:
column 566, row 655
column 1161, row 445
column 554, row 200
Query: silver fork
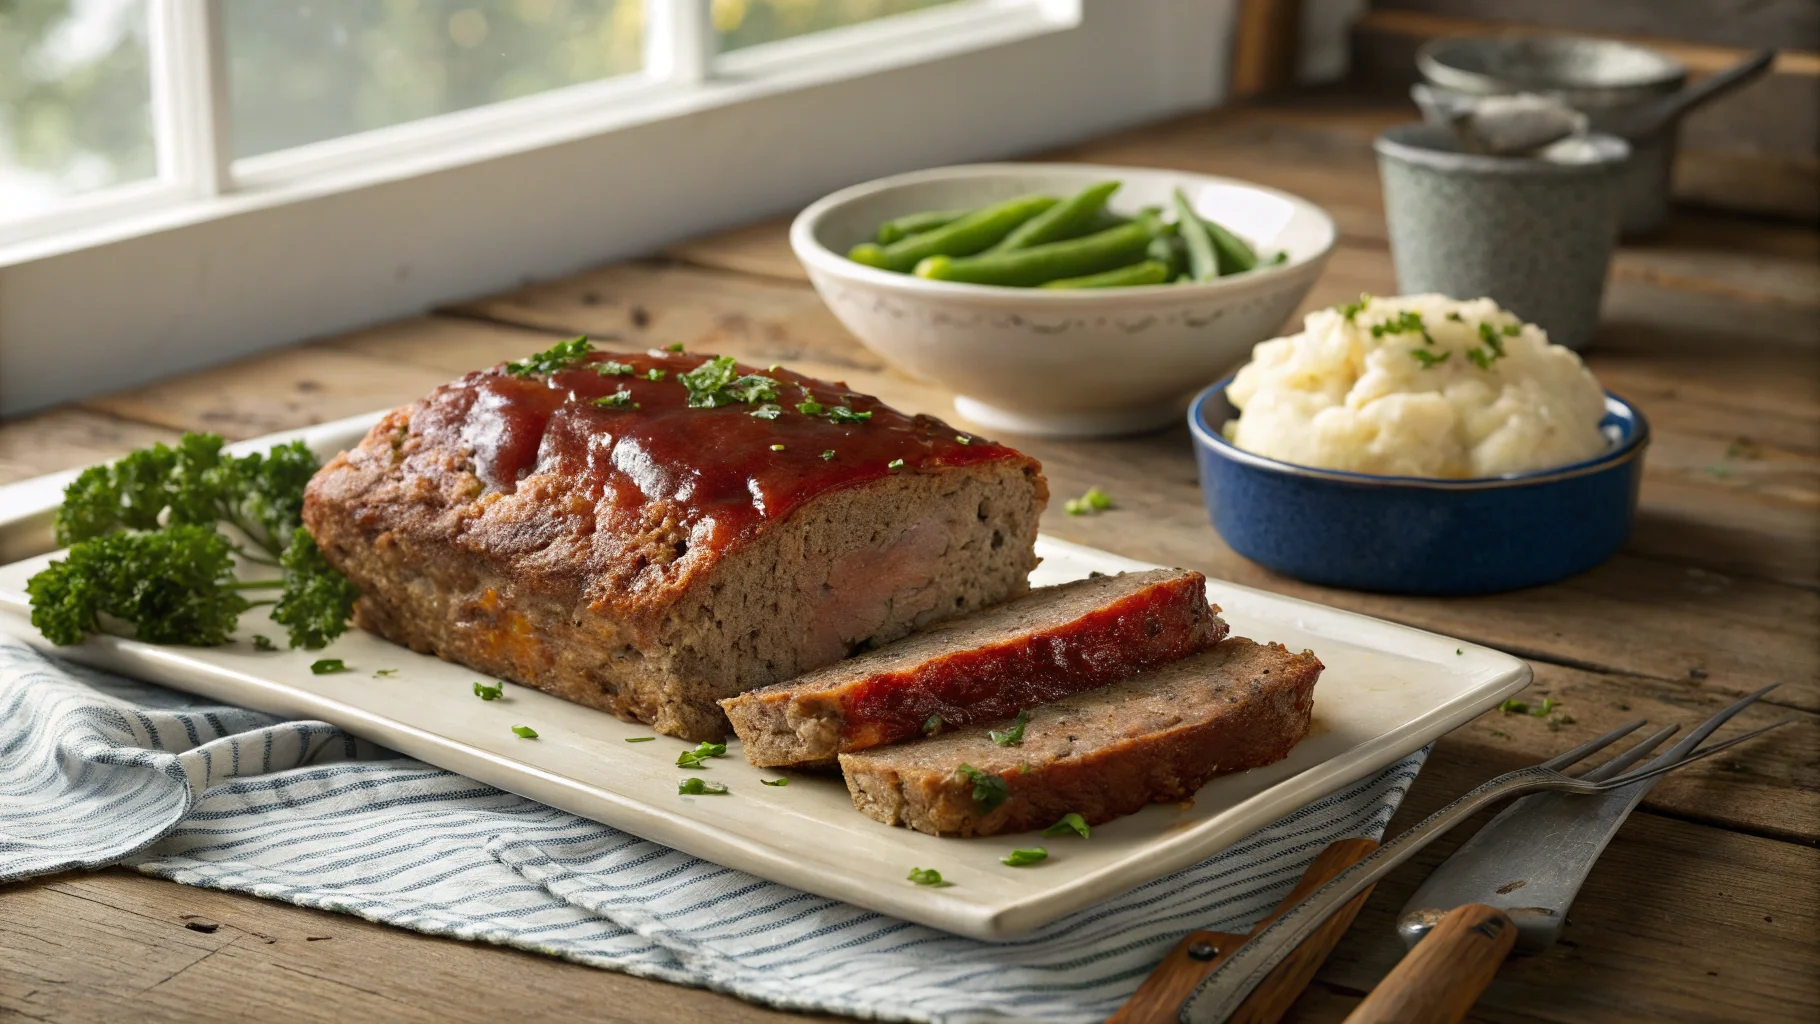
column 1220, row 994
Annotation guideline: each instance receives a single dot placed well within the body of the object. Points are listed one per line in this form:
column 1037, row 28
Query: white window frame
column 219, row 259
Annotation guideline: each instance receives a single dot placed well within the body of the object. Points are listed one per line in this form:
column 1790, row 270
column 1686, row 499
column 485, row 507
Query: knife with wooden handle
column 1441, row 978
column 1159, row 999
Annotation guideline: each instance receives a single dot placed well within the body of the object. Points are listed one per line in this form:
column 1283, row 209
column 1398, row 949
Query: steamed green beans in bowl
column 1060, row 242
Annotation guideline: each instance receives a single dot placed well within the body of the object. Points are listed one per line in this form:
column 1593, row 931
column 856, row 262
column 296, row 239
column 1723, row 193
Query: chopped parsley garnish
column 895, row 464
column 1013, row 736
column 1095, row 500
column 1428, row 359
column 777, row 447
column 1025, row 858
column 714, row 384
column 1491, row 351
column 775, row 782
column 621, row 399
column 1406, row 322
column 1513, row 706
column 1353, row 309
column 261, row 642
column 524, row 732
column 827, row 455
column 327, row 666
column 1455, row 316
column 809, row 408
column 698, row 758
column 1071, row 822
column 693, row 786
column 640, row 739
column 1548, row 704
column 1456, row 650
column 768, row 411
column 845, row 414
column 614, row 368
column 485, row 692
column 964, row 438
column 674, row 347
column 385, row 673
column 927, row 876
column 559, row 356
column 1512, row 330
column 989, row 790
column 145, row 547
column 932, row 726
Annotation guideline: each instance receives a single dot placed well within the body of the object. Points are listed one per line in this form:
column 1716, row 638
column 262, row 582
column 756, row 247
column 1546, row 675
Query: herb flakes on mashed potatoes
column 1419, row 385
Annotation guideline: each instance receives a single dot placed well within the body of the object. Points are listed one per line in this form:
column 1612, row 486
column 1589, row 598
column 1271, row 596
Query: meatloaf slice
column 1156, row 737
column 648, row 533
column 1045, row 645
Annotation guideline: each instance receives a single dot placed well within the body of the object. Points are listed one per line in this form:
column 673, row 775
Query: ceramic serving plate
column 1387, row 690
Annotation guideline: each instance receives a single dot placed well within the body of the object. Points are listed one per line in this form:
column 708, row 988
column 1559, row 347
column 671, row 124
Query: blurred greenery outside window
column 75, row 75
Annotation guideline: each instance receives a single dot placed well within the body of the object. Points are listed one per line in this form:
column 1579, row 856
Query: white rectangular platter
column 1387, row 690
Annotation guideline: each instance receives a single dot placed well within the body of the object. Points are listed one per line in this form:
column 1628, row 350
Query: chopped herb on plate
column 325, row 666
column 775, row 782
column 927, row 876
column 1095, row 500
column 1025, row 858
column 640, row 739
column 698, row 757
column 485, row 692
column 261, row 642
column 385, row 673
column 693, row 786
column 1071, row 822
column 524, row 732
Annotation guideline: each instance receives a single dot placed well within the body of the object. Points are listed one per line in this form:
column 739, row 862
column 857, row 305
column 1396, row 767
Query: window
column 187, row 181
column 75, row 101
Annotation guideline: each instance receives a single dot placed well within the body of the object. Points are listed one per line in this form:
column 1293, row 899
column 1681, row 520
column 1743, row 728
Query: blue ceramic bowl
column 1409, row 535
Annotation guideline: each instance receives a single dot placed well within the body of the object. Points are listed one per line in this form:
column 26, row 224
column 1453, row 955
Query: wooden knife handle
column 1440, row 979
column 1159, row 999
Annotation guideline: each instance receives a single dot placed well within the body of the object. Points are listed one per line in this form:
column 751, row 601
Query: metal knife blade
column 1531, row 859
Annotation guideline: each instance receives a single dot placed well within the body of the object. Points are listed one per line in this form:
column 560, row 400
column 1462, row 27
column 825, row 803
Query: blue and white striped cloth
column 97, row 770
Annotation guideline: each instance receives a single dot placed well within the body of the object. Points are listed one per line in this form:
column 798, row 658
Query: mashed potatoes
column 1419, row 385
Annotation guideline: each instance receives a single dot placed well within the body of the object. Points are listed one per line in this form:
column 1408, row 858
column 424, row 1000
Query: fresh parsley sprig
column 145, row 547
column 560, row 356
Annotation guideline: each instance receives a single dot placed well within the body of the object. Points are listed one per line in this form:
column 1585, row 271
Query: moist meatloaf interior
column 1100, row 754
column 1047, row 644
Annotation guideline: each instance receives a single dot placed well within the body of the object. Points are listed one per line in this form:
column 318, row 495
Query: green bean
column 1069, row 218
column 1106, row 250
column 1147, row 272
column 964, row 237
column 1203, row 265
column 1167, row 250
column 916, row 223
column 1235, row 256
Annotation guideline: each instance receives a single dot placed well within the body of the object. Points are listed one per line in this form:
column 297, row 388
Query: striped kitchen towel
column 98, row 770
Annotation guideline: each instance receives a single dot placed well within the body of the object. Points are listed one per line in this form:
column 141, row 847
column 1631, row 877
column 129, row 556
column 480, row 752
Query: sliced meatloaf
column 1153, row 738
column 1050, row 643
column 648, row 533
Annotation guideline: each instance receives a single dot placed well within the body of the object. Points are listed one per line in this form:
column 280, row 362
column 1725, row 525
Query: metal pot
column 1612, row 83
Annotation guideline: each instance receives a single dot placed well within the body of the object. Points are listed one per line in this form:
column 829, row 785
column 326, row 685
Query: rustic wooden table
column 1705, row 907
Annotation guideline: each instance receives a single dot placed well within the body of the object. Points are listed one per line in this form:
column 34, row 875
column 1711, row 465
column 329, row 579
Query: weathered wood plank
column 64, row 438
column 1628, row 952
column 114, row 946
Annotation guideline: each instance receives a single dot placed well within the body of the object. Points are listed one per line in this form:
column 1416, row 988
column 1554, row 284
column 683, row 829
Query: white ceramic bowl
column 1053, row 363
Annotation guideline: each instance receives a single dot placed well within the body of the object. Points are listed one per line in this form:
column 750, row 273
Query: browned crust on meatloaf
column 543, row 584
column 1154, row 738
column 1043, row 646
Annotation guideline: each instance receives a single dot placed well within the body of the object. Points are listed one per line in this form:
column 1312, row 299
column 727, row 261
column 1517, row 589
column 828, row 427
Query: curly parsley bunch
column 146, row 547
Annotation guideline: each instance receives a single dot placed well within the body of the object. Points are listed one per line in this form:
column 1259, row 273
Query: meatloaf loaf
column 1050, row 643
column 649, row 533
column 1153, row 738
